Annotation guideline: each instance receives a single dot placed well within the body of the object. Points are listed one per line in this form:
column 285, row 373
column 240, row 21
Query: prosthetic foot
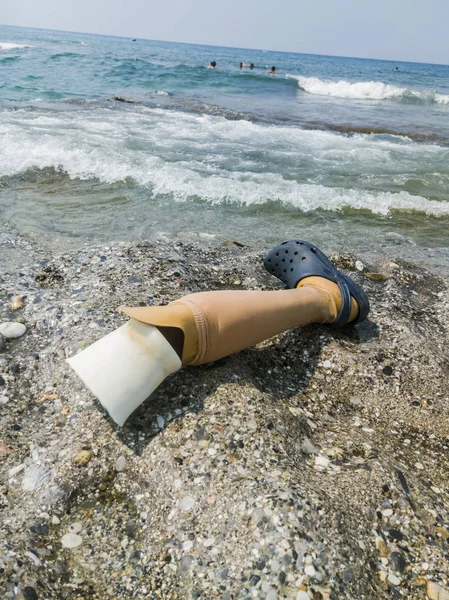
column 295, row 261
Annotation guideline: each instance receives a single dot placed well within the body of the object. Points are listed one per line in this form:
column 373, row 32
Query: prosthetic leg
column 125, row 367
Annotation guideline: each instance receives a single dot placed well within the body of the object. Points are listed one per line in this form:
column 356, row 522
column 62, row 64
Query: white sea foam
column 441, row 98
column 367, row 90
column 10, row 46
column 187, row 156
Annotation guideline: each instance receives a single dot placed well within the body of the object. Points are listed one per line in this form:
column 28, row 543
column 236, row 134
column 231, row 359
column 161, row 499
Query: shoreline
column 315, row 463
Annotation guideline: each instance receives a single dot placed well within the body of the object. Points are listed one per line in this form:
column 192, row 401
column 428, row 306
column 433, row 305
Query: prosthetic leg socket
column 123, row 368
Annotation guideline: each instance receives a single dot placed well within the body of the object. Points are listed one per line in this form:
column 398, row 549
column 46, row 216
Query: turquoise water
column 108, row 139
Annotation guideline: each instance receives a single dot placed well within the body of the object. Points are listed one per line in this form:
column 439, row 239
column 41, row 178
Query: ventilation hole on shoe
column 296, row 253
column 313, row 249
column 291, row 270
column 283, row 260
column 283, row 243
column 291, row 260
column 269, row 260
column 301, row 243
column 285, row 270
column 277, row 264
column 277, row 253
column 298, row 242
column 303, row 258
column 286, row 252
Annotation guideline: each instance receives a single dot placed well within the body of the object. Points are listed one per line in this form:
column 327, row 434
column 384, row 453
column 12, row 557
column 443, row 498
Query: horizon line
column 126, row 37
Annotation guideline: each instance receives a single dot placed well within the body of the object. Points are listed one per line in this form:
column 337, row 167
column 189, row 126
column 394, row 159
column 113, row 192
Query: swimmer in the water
column 212, row 65
column 242, row 65
column 251, row 66
column 272, row 72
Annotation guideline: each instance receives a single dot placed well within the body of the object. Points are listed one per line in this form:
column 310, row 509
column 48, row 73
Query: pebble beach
column 311, row 467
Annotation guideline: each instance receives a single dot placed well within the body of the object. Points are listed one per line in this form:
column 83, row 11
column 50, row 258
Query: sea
column 106, row 139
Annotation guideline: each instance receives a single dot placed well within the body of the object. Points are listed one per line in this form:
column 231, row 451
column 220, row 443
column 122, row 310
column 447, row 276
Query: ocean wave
column 8, row 59
column 60, row 55
column 11, row 46
column 188, row 157
column 368, row 90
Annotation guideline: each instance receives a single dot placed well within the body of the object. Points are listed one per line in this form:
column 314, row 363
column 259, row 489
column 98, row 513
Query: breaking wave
column 368, row 90
column 188, row 157
column 10, row 46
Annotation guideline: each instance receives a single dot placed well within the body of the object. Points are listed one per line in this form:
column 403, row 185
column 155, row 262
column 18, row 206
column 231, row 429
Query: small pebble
column 275, row 565
column 16, row 303
column 12, row 329
column 83, row 458
column 359, row 265
column 120, row 463
column 71, row 540
column 209, row 542
column 75, row 527
column 186, row 503
column 29, row 593
column 186, row 562
column 321, row 461
column 397, row 561
column 302, row 595
column 393, row 579
column 160, row 422
column 327, row 364
column 307, row 447
column 254, row 580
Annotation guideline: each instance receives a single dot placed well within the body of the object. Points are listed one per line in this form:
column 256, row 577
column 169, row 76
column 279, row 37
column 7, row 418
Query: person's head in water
column 251, row 66
column 212, row 65
column 242, row 65
column 272, row 72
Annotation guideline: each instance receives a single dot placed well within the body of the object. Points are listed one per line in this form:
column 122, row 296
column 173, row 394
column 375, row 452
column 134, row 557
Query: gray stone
column 71, row 540
column 186, row 562
column 12, row 329
column 397, row 561
column 187, row 503
column 2, row 343
column 29, row 593
column 120, row 463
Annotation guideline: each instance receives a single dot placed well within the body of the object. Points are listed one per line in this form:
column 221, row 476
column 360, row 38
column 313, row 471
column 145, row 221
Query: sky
column 410, row 30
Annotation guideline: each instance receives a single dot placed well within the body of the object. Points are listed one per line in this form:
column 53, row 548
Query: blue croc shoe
column 293, row 261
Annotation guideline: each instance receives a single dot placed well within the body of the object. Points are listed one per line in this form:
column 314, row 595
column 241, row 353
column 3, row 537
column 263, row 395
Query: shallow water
column 106, row 139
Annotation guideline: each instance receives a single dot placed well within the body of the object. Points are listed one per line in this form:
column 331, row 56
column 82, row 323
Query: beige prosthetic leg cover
column 123, row 368
column 216, row 324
